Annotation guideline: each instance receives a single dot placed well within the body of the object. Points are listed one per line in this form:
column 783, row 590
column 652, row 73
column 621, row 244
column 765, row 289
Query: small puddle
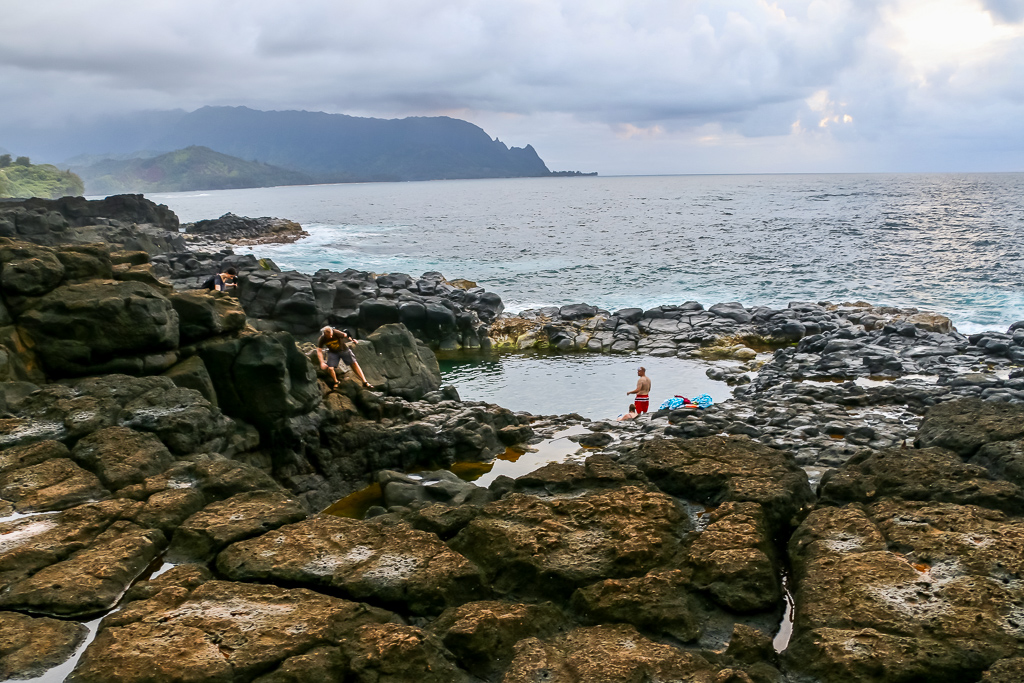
column 514, row 462
column 781, row 640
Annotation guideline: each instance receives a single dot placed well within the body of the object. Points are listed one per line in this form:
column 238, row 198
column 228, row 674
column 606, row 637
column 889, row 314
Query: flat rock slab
column 395, row 653
column 927, row 474
column 218, row 632
column 717, row 469
column 482, row 635
column 242, row 516
column 391, row 565
column 29, row 544
column 598, row 471
column 90, row 580
column 31, row 645
column 965, row 425
column 550, row 546
column 122, row 456
column 660, row 603
column 906, row 590
column 54, row 484
column 610, row 654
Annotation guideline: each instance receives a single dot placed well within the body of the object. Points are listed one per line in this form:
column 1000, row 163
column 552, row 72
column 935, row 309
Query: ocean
column 950, row 243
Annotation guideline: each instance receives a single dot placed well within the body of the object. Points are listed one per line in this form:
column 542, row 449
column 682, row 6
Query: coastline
column 867, row 472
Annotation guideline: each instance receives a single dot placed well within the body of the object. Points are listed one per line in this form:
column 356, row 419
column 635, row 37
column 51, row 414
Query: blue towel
column 703, row 400
column 672, row 404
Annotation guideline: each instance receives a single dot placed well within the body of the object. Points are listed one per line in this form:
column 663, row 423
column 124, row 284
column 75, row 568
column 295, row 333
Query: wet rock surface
column 868, row 470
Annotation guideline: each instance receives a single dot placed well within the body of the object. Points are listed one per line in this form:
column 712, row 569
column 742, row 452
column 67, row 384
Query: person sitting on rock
column 331, row 349
column 630, row 414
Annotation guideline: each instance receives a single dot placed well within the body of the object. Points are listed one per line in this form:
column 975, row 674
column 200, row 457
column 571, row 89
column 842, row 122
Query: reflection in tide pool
column 592, row 385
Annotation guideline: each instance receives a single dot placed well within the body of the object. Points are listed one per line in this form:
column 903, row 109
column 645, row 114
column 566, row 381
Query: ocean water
column 952, row 243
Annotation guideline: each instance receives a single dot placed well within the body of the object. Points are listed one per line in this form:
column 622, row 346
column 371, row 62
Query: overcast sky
column 616, row 86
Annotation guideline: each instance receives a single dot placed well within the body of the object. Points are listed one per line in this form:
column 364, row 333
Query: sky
column 614, row 86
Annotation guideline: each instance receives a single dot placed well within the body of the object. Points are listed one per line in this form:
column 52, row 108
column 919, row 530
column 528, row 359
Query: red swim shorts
column 642, row 402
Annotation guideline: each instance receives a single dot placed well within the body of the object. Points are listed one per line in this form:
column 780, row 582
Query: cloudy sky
column 616, row 86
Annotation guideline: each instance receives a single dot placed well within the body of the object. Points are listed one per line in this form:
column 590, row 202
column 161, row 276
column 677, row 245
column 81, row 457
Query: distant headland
column 260, row 148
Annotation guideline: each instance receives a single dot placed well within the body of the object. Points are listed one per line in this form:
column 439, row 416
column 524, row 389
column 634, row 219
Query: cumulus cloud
column 646, row 71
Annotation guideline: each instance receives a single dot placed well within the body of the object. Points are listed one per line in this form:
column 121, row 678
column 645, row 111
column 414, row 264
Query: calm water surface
column 593, row 385
column 947, row 242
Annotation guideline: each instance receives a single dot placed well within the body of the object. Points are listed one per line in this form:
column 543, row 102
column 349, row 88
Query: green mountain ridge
column 191, row 168
column 38, row 180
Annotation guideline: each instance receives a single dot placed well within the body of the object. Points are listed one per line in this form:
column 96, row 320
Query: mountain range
column 324, row 147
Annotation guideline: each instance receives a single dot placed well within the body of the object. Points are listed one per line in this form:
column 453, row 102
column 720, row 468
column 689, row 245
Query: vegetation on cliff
column 21, row 178
column 192, row 168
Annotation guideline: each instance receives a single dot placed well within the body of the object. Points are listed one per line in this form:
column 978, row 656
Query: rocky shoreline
column 166, row 455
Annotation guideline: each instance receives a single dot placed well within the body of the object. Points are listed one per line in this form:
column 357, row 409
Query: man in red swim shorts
column 642, row 391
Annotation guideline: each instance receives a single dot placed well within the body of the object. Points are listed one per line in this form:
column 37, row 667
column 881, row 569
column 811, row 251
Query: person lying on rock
column 331, row 349
column 642, row 391
column 630, row 414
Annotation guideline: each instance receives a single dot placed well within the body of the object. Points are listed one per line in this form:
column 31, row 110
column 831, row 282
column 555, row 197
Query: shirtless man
column 331, row 349
column 642, row 391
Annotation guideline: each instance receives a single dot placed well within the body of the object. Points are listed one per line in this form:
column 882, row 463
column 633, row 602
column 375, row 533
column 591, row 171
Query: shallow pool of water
column 591, row 384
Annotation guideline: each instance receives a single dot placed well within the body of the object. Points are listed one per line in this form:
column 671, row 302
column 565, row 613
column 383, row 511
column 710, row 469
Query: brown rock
column 394, row 653
column 31, row 645
column 122, row 456
column 482, row 635
column 735, row 559
column 220, row 631
column 610, row 654
column 390, row 565
column 1005, row 671
column 965, row 425
column 933, row 474
column 31, row 543
column 91, row 580
column 928, row 593
column 598, row 471
column 551, row 546
column 242, row 516
column 658, row 603
column 16, row 457
column 205, row 313
column 322, row 663
column 717, row 469
column 54, row 484
column 1003, row 460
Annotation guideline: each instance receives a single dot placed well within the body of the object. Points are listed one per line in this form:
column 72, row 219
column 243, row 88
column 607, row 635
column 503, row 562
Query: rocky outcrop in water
column 242, row 230
column 129, row 222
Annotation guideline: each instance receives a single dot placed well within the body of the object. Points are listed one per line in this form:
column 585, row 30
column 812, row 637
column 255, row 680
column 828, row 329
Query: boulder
column 661, row 603
column 899, row 591
column 733, row 311
column 54, row 484
column 90, row 580
column 395, row 653
column 29, row 270
column 85, row 262
column 392, row 360
column 1002, row 459
column 206, row 313
column 716, row 469
column 191, row 373
column 261, row 378
column 242, row 516
column 29, row 646
column 122, row 456
column 219, row 632
column 929, row 474
column 549, row 547
column 482, row 635
column 734, row 559
column 598, row 471
column 965, row 425
column 389, row 565
column 101, row 326
column 610, row 654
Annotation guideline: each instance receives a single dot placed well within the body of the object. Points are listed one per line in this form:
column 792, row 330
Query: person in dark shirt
column 222, row 282
column 331, row 349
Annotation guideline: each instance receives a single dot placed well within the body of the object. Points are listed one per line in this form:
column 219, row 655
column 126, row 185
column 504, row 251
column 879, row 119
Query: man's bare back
column 643, row 386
